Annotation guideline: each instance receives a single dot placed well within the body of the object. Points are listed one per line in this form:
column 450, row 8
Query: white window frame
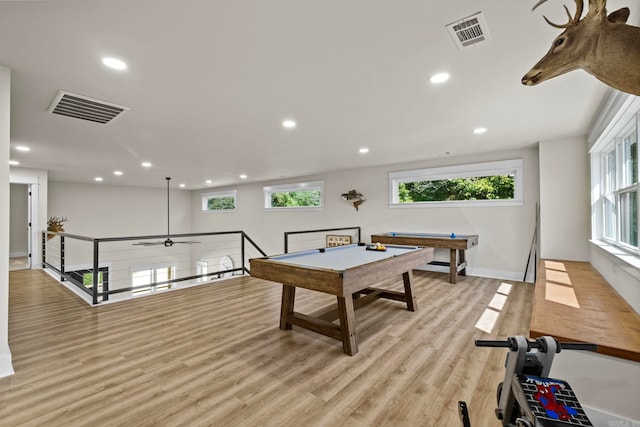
column 202, row 267
column 298, row 186
column 219, row 195
column 503, row 167
column 154, row 269
column 610, row 187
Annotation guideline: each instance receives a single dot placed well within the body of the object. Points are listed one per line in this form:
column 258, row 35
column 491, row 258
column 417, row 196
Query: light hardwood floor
column 18, row 263
column 213, row 355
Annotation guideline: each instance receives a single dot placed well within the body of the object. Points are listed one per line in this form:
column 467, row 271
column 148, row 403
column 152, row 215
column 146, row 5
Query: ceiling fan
column 167, row 242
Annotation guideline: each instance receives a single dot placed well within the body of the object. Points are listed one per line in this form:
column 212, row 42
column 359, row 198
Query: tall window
column 302, row 195
column 150, row 276
column 492, row 183
column 202, row 268
column 619, row 184
column 220, row 201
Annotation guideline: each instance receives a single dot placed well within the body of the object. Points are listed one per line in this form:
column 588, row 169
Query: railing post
column 242, row 238
column 286, row 242
column 44, row 249
column 96, row 272
column 62, row 279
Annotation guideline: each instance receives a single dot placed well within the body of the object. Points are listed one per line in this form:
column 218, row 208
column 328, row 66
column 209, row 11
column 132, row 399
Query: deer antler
column 573, row 20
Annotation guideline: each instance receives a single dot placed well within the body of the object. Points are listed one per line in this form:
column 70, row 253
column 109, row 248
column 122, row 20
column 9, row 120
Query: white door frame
column 34, row 238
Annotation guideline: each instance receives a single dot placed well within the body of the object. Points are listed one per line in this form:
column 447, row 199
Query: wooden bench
column 573, row 302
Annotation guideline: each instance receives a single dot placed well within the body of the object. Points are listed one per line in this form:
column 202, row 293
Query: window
column 151, row 276
column 220, row 201
column 84, row 277
column 202, row 268
column 303, row 195
column 480, row 184
column 620, row 188
column 87, row 279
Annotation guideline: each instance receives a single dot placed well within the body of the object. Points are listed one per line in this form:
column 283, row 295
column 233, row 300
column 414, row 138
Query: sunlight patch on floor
column 558, row 285
column 490, row 315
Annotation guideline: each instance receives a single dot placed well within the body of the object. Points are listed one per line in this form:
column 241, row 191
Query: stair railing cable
column 93, row 271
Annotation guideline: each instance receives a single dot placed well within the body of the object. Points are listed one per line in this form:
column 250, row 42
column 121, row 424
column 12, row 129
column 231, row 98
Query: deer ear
column 620, row 16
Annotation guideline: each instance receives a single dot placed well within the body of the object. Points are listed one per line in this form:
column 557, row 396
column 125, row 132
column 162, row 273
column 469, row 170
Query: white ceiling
column 209, row 83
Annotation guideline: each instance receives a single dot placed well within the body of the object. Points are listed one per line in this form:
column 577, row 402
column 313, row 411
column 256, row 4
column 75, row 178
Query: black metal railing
column 102, row 267
column 315, row 242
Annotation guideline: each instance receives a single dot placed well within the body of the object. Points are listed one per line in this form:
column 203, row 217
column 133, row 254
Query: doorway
column 19, row 227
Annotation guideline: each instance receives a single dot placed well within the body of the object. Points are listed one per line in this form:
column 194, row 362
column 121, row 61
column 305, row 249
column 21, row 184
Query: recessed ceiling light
column 14, row 162
column 243, row 176
column 146, row 164
column 117, row 173
column 478, row 131
column 289, row 124
column 439, row 78
column 114, row 63
column 22, row 148
column 182, row 185
column 363, row 150
column 208, row 181
column 98, row 179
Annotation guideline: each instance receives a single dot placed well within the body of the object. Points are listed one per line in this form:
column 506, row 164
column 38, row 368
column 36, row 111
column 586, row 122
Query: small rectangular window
column 302, row 195
column 220, row 201
column 491, row 184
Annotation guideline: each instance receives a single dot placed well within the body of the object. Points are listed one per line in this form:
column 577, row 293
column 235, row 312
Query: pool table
column 456, row 244
column 346, row 272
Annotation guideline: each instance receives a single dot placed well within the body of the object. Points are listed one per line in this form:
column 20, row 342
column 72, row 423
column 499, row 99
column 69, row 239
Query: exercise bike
column 528, row 397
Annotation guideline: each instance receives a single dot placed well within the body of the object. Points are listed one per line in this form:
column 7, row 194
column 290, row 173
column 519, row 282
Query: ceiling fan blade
column 148, row 243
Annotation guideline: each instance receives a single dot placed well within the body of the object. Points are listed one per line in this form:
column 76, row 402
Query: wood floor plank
column 214, row 356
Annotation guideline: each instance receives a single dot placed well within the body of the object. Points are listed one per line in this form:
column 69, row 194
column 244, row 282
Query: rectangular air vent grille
column 469, row 31
column 85, row 108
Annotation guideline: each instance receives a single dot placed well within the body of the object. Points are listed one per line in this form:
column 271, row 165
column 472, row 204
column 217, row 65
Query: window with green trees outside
column 474, row 188
column 288, row 199
column 301, row 195
column 219, row 201
column 497, row 183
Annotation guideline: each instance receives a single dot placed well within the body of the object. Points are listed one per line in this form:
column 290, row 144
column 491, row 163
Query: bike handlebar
column 539, row 343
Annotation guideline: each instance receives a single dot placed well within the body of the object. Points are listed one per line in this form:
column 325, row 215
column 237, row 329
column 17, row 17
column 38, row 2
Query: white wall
column 564, row 200
column 97, row 210
column 5, row 109
column 504, row 232
column 18, row 213
column 622, row 276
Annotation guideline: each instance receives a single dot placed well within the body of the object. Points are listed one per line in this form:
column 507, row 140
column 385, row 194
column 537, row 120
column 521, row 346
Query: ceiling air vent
column 85, row 108
column 469, row 31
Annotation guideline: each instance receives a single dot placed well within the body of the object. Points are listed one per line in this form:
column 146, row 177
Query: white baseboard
column 6, row 368
column 515, row 276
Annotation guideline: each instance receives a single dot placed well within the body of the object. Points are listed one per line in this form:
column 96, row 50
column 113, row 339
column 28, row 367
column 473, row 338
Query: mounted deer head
column 604, row 46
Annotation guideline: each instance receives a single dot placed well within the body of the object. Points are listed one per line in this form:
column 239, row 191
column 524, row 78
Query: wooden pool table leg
column 453, row 266
column 286, row 308
column 463, row 263
column 348, row 325
column 412, row 304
